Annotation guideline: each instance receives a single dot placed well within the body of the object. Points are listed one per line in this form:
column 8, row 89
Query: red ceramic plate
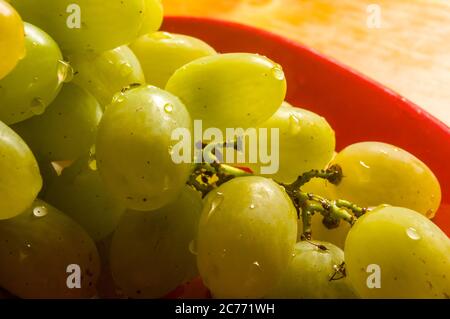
column 358, row 108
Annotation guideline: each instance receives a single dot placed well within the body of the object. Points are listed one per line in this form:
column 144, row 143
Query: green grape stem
column 208, row 176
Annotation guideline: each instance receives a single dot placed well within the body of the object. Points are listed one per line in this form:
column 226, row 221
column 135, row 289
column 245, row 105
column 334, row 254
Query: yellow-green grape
column 43, row 253
column 12, row 38
column 334, row 236
column 314, row 274
column 150, row 251
column 86, row 25
column 134, row 147
column 162, row 53
column 306, row 142
column 246, row 237
column 20, row 180
column 67, row 128
column 395, row 252
column 378, row 173
column 107, row 73
column 35, row 81
column 230, row 90
column 153, row 16
column 79, row 192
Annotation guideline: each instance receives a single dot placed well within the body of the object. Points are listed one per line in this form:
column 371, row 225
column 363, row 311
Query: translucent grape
column 162, row 53
column 135, row 148
column 150, row 253
column 35, row 81
column 86, row 25
column 36, row 249
column 378, row 173
column 395, row 252
column 67, row 128
column 19, row 171
column 79, row 192
column 246, row 237
column 153, row 16
column 107, row 73
column 313, row 274
column 12, row 38
column 230, row 90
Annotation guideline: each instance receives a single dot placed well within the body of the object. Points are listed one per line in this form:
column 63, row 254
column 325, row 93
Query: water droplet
column 28, row 245
column 168, row 108
column 278, row 73
column 118, row 97
column 65, row 72
column 412, row 233
column 256, row 265
column 125, row 69
column 193, row 247
column 40, row 211
column 294, row 125
column 364, row 164
column 252, row 206
column 37, row 106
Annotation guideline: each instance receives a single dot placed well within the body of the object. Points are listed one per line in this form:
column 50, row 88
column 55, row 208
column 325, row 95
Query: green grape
column 313, row 274
column 162, row 53
column 86, row 25
column 67, row 129
column 35, row 81
column 135, row 149
column 36, row 249
column 79, row 192
column 153, row 16
column 335, row 236
column 107, row 73
column 12, row 37
column 230, row 90
column 378, row 173
column 411, row 255
column 306, row 142
column 246, row 237
column 20, row 180
column 150, row 251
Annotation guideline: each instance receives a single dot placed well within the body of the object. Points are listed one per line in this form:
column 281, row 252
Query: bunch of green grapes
column 119, row 184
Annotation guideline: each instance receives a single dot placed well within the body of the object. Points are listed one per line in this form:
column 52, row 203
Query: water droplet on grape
column 125, row 69
column 294, row 125
column 118, row 97
column 65, row 72
column 364, row 164
column 412, row 233
column 252, row 206
column 168, row 108
column 40, row 211
column 37, row 106
column 217, row 201
column 256, row 265
column 278, row 73
column 193, row 247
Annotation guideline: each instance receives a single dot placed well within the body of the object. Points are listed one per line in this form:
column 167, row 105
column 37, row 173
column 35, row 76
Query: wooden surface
column 404, row 44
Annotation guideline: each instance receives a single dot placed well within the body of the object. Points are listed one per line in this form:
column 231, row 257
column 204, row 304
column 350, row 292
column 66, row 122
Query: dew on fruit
column 412, row 233
column 278, row 73
column 168, row 108
column 65, row 72
column 37, row 106
column 40, row 211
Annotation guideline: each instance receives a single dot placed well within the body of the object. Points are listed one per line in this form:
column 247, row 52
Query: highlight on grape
column 251, row 145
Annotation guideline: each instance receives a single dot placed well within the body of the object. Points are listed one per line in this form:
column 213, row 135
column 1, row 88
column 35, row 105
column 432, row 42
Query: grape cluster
column 89, row 186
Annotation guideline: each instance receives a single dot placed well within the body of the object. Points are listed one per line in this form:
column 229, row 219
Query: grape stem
column 206, row 177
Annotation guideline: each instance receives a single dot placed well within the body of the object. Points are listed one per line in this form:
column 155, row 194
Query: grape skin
column 246, row 237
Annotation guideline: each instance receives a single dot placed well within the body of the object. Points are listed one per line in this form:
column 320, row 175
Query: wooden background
column 408, row 52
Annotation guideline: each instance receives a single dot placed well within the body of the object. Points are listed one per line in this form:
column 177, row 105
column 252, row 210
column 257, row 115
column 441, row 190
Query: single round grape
column 36, row 80
column 12, row 38
column 313, row 274
column 378, row 173
column 150, row 251
column 36, row 250
column 306, row 142
column 135, row 147
column 230, row 90
column 67, row 128
column 86, row 25
column 162, row 53
column 153, row 16
column 107, row 73
column 395, row 252
column 79, row 192
column 19, row 171
column 246, row 237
